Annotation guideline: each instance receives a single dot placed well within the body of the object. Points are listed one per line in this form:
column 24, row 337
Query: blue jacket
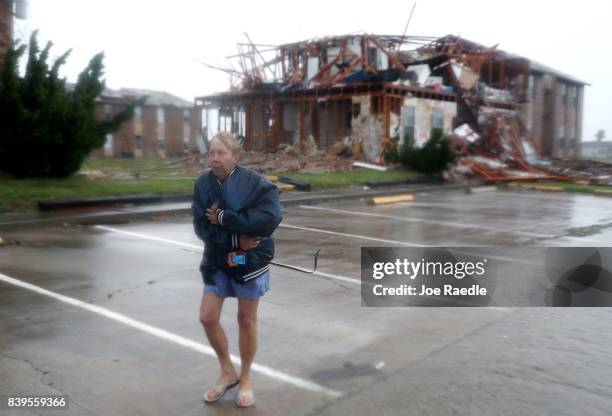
column 250, row 205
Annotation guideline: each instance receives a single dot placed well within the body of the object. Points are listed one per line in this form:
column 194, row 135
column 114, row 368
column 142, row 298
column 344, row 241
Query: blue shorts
column 225, row 286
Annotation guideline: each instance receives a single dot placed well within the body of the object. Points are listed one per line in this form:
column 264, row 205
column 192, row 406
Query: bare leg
column 210, row 312
column 247, row 321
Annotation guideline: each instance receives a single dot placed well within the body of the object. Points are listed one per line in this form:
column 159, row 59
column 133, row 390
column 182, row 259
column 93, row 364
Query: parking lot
column 108, row 315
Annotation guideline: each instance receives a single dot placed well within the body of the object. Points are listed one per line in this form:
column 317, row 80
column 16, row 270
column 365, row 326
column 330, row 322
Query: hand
column 248, row 242
column 211, row 215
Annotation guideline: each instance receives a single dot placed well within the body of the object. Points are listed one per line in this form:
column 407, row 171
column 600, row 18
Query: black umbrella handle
column 300, row 269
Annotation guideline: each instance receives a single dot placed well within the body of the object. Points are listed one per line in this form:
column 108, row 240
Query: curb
column 122, row 217
column 554, row 188
column 137, row 199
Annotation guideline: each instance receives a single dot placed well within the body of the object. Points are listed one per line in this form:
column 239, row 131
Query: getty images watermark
column 486, row 276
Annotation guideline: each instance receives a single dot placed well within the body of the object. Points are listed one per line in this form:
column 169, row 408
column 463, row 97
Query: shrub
column 433, row 157
column 47, row 130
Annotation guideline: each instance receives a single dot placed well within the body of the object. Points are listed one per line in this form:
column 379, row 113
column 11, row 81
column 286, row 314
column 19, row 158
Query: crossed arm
column 261, row 219
column 242, row 229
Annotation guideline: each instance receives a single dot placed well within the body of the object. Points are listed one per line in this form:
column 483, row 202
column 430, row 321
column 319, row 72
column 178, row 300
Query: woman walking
column 235, row 212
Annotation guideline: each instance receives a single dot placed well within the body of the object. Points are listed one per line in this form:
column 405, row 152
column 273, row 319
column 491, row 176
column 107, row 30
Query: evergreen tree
column 47, row 129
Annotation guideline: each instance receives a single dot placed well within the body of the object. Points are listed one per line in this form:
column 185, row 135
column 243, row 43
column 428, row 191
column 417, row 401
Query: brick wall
column 149, row 130
column 124, row 137
column 174, row 131
column 196, row 127
column 6, row 27
column 556, row 118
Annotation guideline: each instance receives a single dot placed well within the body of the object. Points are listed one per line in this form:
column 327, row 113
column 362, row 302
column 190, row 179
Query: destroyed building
column 369, row 90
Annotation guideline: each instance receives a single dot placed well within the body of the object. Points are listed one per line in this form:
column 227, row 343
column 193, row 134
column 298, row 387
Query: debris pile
column 589, row 171
column 505, row 151
column 502, row 151
column 289, row 158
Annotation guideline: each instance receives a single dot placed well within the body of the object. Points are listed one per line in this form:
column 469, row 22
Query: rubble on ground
column 293, row 159
column 505, row 151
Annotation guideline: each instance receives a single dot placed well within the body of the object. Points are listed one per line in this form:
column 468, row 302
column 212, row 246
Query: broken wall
column 333, row 120
column 261, row 138
column 367, row 128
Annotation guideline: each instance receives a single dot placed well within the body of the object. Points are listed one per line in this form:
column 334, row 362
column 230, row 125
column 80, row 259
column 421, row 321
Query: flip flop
column 221, row 389
column 245, row 394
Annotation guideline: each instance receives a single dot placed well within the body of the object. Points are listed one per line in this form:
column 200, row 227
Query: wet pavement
column 125, row 338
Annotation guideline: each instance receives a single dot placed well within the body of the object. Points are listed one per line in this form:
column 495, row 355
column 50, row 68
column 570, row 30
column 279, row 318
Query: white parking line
column 426, row 221
column 169, row 336
column 403, row 243
column 322, row 274
column 598, row 242
column 200, row 248
column 149, row 237
column 361, row 237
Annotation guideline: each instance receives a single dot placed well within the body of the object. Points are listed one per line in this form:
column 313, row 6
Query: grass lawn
column 155, row 177
column 22, row 195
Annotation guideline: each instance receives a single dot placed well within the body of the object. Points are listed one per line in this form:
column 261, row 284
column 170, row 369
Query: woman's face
column 221, row 159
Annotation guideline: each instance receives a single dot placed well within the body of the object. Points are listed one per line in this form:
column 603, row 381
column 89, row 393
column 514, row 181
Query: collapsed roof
column 488, row 84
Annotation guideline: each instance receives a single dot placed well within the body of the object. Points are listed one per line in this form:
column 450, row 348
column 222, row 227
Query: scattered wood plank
column 370, row 166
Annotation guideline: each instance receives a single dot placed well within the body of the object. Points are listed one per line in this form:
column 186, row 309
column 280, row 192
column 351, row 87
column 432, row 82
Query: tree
column 49, row 129
column 600, row 135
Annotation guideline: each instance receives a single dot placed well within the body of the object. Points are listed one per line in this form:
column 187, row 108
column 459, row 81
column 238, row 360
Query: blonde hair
column 229, row 141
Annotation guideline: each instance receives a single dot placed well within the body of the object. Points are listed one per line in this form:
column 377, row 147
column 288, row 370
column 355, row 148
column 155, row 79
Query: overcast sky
column 154, row 44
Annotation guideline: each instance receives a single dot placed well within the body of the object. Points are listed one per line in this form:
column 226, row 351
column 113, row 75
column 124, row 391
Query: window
column 161, row 142
column 138, row 113
column 108, row 111
column 573, row 100
column 375, row 104
column 160, row 115
column 561, row 131
column 408, row 119
column 138, row 142
column 186, row 114
column 437, row 119
column 372, row 55
column 562, row 89
column 108, row 144
column 531, row 88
